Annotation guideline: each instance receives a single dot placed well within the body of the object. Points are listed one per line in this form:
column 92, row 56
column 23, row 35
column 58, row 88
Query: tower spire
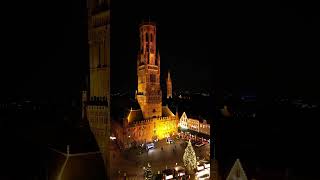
column 169, row 86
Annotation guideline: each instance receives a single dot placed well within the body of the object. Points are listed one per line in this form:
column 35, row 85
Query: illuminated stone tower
column 98, row 105
column 169, row 86
column 149, row 94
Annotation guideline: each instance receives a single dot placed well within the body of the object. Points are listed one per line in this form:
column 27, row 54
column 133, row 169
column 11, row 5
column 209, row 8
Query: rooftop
column 82, row 166
column 136, row 114
column 79, row 140
column 147, row 22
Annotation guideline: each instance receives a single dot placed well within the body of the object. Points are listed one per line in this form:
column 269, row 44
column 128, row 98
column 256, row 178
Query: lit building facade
column 150, row 120
column 197, row 125
column 183, row 121
column 204, row 127
column 97, row 102
column 149, row 94
column 193, row 124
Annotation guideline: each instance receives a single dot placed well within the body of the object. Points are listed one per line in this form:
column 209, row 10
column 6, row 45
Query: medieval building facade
column 151, row 120
column 197, row 125
column 96, row 100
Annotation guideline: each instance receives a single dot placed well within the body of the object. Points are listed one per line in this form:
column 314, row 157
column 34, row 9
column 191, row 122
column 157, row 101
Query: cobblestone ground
column 131, row 162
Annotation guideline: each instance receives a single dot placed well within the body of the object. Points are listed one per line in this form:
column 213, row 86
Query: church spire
column 169, row 86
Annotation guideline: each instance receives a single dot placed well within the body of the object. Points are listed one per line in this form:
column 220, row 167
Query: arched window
column 151, row 37
column 147, row 38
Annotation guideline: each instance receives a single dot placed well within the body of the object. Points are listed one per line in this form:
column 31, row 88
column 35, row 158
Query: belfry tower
column 169, row 86
column 98, row 104
column 149, row 94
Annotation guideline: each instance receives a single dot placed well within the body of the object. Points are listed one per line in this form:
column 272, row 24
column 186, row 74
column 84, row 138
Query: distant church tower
column 149, row 94
column 98, row 105
column 169, row 86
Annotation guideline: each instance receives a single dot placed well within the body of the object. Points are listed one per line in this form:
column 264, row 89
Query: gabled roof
column 200, row 119
column 184, row 115
column 135, row 115
column 166, row 112
column 82, row 166
column 237, row 172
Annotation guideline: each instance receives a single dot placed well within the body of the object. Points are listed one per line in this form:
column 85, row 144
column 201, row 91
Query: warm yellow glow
column 165, row 128
column 128, row 118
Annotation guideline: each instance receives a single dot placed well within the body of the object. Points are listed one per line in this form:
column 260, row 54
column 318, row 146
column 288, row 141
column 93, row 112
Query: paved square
column 131, row 162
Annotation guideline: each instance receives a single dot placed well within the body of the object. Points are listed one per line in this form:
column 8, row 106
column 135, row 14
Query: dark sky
column 266, row 47
column 43, row 45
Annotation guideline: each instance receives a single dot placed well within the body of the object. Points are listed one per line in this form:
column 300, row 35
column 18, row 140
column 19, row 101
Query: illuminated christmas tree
column 148, row 172
column 189, row 158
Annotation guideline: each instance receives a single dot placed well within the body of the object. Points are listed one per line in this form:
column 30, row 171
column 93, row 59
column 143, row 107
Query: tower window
column 147, row 38
column 152, row 78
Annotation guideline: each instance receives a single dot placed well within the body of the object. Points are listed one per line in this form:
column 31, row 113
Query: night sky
column 44, row 48
column 268, row 48
column 206, row 46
